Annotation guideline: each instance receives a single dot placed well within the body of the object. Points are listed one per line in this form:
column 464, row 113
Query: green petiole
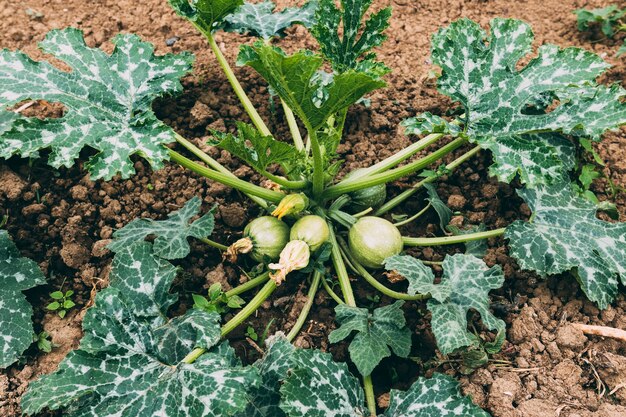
column 306, row 308
column 214, row 244
column 248, row 285
column 413, row 217
column 452, row 240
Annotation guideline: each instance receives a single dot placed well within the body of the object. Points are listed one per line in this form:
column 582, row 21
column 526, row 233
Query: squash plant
column 135, row 360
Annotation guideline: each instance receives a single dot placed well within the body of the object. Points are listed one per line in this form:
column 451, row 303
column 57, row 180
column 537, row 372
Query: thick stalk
column 396, row 158
column 226, row 179
column 243, row 314
column 415, row 188
column 413, row 217
column 213, row 244
column 340, row 270
column 306, row 308
column 318, row 164
column 248, row 285
column 368, row 386
column 215, row 165
column 239, row 91
column 451, row 240
column 360, row 269
column 393, row 174
column 293, row 126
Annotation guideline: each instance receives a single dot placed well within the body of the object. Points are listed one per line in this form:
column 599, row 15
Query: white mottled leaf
column 129, row 360
column 107, row 101
column 16, row 275
column 470, row 281
column 500, row 101
column 427, row 123
column 208, row 15
column 421, row 278
column 260, row 19
column 438, row 396
column 375, row 334
column 319, row 387
column 171, row 233
column 564, row 234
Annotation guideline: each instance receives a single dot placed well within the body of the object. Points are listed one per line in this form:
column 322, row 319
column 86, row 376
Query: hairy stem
column 451, row 240
column 213, row 244
column 248, row 285
column 415, row 188
column 306, row 308
column 226, row 179
column 215, row 165
column 239, row 318
column 393, row 174
column 239, row 91
column 318, row 164
column 293, row 126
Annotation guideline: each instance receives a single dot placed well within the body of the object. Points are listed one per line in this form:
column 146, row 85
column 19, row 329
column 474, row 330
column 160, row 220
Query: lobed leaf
column 257, row 150
column 477, row 248
column 294, row 79
column 420, row 277
column 171, row 233
column 427, row 123
column 375, row 334
column 347, row 43
column 480, row 72
column 107, row 101
column 129, row 360
column 16, row 275
column 262, row 21
column 565, row 235
column 207, row 15
column 436, row 396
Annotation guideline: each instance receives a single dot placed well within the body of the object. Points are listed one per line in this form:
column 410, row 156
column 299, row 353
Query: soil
column 63, row 220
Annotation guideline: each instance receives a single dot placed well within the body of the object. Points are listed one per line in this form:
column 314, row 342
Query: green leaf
column 607, row 17
column 293, row 78
column 67, row 304
column 375, row 334
column 421, row 278
column 261, row 21
column 55, row 305
column 107, row 101
column 345, row 41
column 257, row 150
column 470, row 281
column 56, row 295
column 16, row 275
column 443, row 211
column 171, row 233
column 129, row 360
column 480, row 72
column 432, row 397
column 7, row 118
column 427, row 123
column 477, row 248
column 207, row 15
column 565, row 235
column 62, row 313
column 319, row 387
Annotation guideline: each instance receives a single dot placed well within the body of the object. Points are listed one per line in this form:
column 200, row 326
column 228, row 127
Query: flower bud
column 291, row 204
column 293, row 257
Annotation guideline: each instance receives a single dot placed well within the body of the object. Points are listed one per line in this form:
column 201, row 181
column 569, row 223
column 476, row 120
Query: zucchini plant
column 610, row 19
column 135, row 360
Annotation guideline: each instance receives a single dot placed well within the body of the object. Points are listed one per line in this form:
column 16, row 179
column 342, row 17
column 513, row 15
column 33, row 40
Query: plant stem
column 397, row 158
column 332, row 293
column 248, row 285
column 239, row 91
column 340, row 270
column 408, row 193
column 393, row 174
column 413, row 217
column 285, row 183
column 293, row 126
column 213, row 243
column 215, row 165
column 226, row 179
column 243, row 314
column 306, row 308
column 451, row 240
column 368, row 386
column 360, row 269
column 318, row 164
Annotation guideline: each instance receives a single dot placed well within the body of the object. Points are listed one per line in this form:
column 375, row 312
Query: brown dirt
column 63, row 220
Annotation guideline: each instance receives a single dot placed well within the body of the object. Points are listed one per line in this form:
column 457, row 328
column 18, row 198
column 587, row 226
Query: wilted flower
column 294, row 256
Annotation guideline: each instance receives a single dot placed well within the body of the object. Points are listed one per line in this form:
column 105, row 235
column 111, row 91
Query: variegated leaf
column 427, row 123
column 438, row 396
column 375, row 334
column 260, row 19
column 207, row 15
column 16, row 275
column 171, row 233
column 107, row 101
column 129, row 360
column 421, row 278
column 480, row 72
column 564, row 234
